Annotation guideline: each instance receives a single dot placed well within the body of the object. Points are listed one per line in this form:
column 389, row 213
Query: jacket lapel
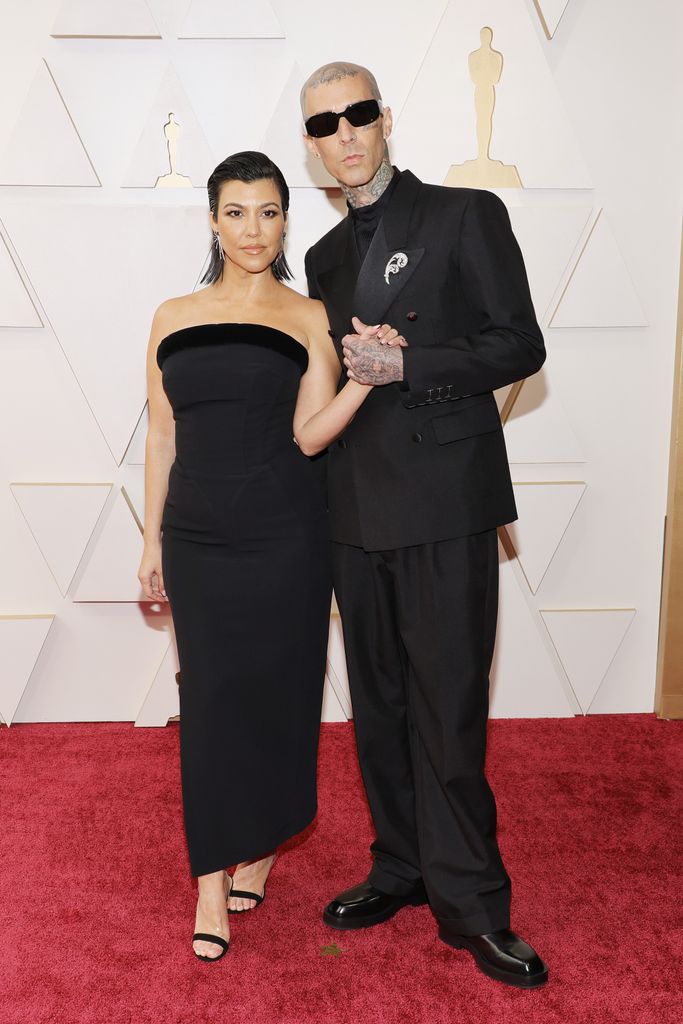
column 369, row 290
column 385, row 272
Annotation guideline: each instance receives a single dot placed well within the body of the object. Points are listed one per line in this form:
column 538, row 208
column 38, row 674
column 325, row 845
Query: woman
column 236, row 537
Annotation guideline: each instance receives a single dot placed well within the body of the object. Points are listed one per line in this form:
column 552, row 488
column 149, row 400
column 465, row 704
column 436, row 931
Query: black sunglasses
column 319, row 126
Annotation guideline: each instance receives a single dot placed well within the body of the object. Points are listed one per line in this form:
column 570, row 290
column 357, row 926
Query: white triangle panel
column 600, row 292
column 102, row 19
column 337, row 700
column 162, row 701
column 151, row 158
column 135, row 452
column 21, row 640
column 61, row 518
column 134, row 492
column 111, row 570
column 332, row 710
column 550, row 13
column 101, row 660
column 538, row 429
column 44, row 147
column 587, row 640
column 16, row 305
column 284, row 136
column 312, row 212
column 151, row 253
column 437, row 126
column 525, row 682
column 239, row 19
column 545, row 511
column 547, row 236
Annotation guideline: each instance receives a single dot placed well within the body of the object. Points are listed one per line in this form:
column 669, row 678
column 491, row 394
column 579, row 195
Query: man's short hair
column 334, row 72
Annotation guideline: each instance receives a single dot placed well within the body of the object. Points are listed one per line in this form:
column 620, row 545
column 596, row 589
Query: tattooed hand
column 369, row 360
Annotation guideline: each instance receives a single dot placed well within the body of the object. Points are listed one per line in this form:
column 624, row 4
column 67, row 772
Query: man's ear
column 311, row 146
column 387, row 122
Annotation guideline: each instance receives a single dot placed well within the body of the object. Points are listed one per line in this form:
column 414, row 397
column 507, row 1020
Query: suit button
column 411, row 316
column 342, row 443
column 417, row 438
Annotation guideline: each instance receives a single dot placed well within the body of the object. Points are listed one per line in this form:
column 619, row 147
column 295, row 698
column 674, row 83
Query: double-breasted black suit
column 417, row 485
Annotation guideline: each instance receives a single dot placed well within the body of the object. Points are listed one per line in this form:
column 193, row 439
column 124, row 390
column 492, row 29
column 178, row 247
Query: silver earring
column 217, row 243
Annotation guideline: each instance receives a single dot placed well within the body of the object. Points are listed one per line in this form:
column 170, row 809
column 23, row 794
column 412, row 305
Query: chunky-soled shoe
column 502, row 955
column 364, row 906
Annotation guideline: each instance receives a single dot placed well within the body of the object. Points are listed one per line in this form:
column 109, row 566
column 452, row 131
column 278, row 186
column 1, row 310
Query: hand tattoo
column 372, row 363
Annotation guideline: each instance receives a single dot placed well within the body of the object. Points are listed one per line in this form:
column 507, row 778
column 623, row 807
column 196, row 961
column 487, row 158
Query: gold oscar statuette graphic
column 485, row 66
column 172, row 132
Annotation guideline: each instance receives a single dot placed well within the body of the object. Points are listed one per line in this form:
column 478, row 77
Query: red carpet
column 98, row 906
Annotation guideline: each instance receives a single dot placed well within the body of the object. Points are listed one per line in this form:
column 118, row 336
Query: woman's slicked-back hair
column 247, row 166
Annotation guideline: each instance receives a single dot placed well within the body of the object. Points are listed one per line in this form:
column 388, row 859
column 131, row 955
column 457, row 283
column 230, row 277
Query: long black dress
column 245, row 559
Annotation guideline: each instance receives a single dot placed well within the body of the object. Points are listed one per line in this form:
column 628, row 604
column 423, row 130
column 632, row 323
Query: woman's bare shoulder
column 173, row 313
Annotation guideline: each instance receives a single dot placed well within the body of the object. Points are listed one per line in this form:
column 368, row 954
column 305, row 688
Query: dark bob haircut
column 247, row 166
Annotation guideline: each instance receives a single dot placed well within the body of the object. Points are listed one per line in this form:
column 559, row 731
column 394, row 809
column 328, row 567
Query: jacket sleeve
column 509, row 344
column 313, row 292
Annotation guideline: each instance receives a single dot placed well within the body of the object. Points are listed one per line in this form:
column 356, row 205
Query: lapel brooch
column 397, row 262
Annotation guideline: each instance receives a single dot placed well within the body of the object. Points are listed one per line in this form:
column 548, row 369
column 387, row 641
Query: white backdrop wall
column 587, row 110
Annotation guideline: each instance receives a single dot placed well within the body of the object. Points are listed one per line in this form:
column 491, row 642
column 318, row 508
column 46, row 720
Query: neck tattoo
column 369, row 193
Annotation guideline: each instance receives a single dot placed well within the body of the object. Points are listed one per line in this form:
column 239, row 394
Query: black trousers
column 419, row 629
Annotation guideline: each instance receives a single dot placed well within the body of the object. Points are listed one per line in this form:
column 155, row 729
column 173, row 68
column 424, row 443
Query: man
column 428, row 301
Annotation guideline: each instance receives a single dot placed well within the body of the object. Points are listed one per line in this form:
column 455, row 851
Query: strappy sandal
column 245, row 895
column 217, row 939
column 207, row 937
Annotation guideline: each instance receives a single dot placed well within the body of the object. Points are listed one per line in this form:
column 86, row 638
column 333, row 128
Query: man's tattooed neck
column 370, row 193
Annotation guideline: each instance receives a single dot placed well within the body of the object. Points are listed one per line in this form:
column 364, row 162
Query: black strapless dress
column 246, row 564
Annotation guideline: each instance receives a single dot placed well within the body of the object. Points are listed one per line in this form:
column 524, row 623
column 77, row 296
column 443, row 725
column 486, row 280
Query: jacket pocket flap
column 475, row 419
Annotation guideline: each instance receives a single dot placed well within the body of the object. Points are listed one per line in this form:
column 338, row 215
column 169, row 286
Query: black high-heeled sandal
column 217, row 939
column 245, row 895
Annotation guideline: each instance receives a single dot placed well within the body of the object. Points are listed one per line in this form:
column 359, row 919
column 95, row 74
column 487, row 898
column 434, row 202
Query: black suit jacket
column 424, row 459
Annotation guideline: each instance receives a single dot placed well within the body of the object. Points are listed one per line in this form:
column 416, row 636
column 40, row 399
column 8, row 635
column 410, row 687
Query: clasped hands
column 373, row 355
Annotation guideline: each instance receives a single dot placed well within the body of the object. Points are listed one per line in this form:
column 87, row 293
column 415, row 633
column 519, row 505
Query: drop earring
column 217, row 243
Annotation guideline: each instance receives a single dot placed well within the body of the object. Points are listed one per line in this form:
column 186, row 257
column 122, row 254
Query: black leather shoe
column 502, row 955
column 363, row 906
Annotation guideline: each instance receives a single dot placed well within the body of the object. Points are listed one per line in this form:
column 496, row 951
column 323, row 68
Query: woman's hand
column 150, row 574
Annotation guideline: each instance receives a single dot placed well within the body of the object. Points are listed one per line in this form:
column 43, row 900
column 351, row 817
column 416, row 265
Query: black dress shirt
column 366, row 218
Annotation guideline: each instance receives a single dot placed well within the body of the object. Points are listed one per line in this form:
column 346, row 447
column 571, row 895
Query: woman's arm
column 322, row 415
column 159, row 455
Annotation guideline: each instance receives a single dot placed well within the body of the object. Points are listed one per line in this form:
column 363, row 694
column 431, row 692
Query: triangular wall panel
column 239, row 19
column 110, row 573
column 537, row 428
column 61, row 518
column 16, row 305
column 151, row 253
column 162, row 700
column 437, row 126
column 548, row 236
column 545, row 511
column 550, row 12
column 21, row 639
column 104, row 19
column 587, row 640
column 525, row 680
column 151, row 157
column 44, row 147
column 337, row 680
column 600, row 292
